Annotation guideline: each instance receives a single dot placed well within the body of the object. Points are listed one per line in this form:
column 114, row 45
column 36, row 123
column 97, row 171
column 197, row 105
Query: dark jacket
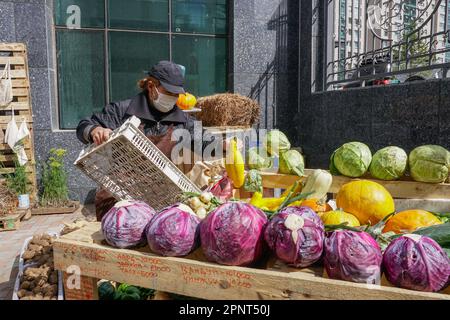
column 154, row 123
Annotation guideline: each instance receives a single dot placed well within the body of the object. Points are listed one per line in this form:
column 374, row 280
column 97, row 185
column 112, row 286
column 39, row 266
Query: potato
column 47, row 249
column 41, row 281
column 38, row 297
column 47, row 298
column 51, row 291
column 22, row 293
column 26, row 298
column 29, row 254
column 42, row 243
column 35, row 247
column 43, row 259
column 53, row 278
column 37, row 290
column 25, row 285
column 37, row 257
column 32, row 286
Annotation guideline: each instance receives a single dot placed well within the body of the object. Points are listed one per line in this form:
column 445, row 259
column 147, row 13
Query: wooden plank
column 12, row 46
column 20, row 83
column 398, row 189
column 5, row 147
column 20, row 92
column 12, row 170
column 12, row 60
column 12, row 157
column 7, row 119
column 17, row 105
column 206, row 280
column 18, row 74
column 12, row 222
column 87, row 289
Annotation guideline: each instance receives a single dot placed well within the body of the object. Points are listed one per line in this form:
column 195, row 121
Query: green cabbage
column 352, row 159
column 253, row 182
column 429, row 163
column 259, row 159
column 389, row 163
column 276, row 142
column 292, row 162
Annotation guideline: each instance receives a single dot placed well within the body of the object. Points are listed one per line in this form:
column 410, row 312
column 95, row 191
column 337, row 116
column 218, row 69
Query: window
column 104, row 47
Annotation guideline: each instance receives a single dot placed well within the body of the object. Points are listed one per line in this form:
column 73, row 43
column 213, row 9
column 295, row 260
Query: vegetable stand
column 193, row 276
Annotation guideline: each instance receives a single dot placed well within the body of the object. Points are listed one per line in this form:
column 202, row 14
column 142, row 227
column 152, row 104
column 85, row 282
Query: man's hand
column 100, row 135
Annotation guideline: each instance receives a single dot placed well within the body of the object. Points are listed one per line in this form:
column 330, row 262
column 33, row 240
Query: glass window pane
column 81, row 75
column 130, row 54
column 199, row 16
column 205, row 62
column 90, row 13
column 139, row 14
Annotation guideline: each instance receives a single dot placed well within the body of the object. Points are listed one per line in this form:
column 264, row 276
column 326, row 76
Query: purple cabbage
column 417, row 263
column 233, row 234
column 353, row 256
column 173, row 232
column 124, row 224
column 296, row 236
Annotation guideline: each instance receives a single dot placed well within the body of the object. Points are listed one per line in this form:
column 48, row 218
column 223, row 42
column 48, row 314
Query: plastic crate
column 131, row 167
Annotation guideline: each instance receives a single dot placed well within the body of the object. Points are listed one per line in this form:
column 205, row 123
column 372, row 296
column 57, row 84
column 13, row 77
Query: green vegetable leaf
column 439, row 233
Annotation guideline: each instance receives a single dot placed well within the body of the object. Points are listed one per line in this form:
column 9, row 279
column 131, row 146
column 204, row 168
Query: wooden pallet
column 193, row 276
column 74, row 206
column 16, row 54
column 12, row 222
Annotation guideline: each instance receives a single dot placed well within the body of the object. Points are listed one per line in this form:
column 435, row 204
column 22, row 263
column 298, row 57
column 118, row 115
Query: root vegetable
column 25, row 285
column 201, row 213
column 53, row 279
column 38, row 297
column 206, row 197
column 37, row 290
column 29, row 254
column 195, row 203
column 47, row 249
column 51, row 290
column 22, row 293
column 34, row 247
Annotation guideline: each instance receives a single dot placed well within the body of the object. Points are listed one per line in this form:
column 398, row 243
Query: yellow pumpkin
column 367, row 200
column 410, row 220
column 186, row 101
column 339, row 217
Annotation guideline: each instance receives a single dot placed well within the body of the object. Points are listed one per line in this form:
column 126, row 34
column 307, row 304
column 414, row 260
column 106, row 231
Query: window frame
column 106, row 30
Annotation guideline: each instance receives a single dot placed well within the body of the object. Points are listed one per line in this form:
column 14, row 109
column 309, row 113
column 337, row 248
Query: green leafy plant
column 55, row 192
column 17, row 182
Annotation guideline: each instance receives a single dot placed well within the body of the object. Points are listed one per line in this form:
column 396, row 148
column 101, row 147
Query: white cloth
column 6, row 94
column 15, row 138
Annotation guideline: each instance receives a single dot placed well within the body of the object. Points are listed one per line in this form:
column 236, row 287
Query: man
column 154, row 106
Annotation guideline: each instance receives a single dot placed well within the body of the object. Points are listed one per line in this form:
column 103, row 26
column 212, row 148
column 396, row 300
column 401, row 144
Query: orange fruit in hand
column 367, row 200
column 186, row 101
column 411, row 220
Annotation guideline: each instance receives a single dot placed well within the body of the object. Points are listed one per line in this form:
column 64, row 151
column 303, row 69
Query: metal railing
column 370, row 42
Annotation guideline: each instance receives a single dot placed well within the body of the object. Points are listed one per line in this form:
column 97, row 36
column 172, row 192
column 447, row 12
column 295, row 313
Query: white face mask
column 164, row 103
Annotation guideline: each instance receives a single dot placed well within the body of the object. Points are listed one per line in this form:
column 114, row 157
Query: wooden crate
column 16, row 54
column 12, row 222
column 193, row 276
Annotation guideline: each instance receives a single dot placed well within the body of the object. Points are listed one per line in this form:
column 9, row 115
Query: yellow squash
column 234, row 165
column 367, row 200
column 272, row 204
column 410, row 220
column 339, row 217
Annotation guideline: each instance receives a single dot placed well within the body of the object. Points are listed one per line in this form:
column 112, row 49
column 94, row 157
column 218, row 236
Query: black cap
column 169, row 75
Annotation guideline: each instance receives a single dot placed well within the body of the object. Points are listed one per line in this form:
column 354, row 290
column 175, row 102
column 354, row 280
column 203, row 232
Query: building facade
column 85, row 53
